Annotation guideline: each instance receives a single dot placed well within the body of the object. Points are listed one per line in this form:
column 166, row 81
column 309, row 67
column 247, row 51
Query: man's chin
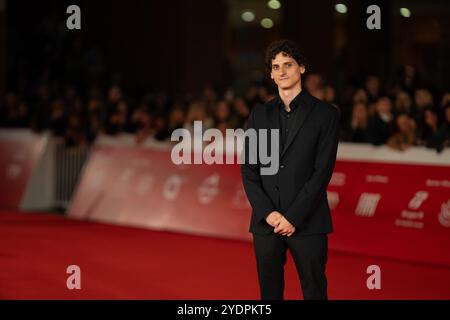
column 285, row 86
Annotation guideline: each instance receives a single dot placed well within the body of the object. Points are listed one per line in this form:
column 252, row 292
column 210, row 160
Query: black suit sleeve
column 310, row 194
column 261, row 203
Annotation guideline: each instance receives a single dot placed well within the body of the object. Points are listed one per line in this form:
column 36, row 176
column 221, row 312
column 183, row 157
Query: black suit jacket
column 298, row 189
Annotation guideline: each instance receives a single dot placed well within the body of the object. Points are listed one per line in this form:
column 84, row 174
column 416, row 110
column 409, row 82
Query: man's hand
column 284, row 227
column 274, row 218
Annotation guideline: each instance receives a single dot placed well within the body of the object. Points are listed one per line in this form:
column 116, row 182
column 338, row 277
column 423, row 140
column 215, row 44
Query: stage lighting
column 405, row 12
column 341, row 8
column 248, row 16
column 274, row 4
column 267, row 23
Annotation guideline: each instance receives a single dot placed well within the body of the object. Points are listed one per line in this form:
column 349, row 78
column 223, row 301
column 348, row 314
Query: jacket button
column 282, row 166
column 276, row 188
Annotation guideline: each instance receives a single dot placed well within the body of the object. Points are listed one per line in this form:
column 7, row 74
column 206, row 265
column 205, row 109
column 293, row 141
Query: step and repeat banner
column 381, row 204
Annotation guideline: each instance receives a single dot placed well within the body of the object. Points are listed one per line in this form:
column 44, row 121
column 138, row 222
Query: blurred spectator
column 404, row 135
column 314, row 85
column 95, row 117
column 118, row 121
column 356, row 130
column 442, row 138
column 240, row 114
column 222, row 116
column 14, row 113
column 403, row 103
column 380, row 124
column 445, row 99
column 252, row 96
column 422, row 99
column 209, row 97
column 58, row 121
column 408, row 80
column 360, row 95
column 372, row 87
column 329, row 94
column 75, row 134
column 197, row 112
column 176, row 120
column 113, row 97
column 428, row 126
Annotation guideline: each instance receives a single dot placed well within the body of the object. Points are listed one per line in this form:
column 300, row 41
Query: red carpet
column 130, row 263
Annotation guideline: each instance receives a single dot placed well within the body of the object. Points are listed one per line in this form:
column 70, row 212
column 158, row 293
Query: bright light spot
column 341, row 8
column 405, row 12
column 248, row 16
column 274, row 4
column 267, row 23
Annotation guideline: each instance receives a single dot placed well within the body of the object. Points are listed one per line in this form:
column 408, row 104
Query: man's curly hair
column 289, row 47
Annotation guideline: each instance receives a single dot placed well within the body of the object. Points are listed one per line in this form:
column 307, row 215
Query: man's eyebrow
column 276, row 64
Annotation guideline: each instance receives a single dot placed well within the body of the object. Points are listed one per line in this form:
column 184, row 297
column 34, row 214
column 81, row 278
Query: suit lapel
column 273, row 116
column 299, row 120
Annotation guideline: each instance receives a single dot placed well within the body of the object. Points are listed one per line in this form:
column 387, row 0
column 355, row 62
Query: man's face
column 286, row 71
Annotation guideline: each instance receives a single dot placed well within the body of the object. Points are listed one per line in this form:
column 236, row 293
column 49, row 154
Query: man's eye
column 275, row 67
column 289, row 64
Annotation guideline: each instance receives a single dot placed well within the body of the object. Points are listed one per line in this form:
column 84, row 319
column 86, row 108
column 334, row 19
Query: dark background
column 179, row 46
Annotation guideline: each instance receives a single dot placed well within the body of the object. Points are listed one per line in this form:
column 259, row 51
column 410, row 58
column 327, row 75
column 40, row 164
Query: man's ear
column 302, row 69
column 271, row 75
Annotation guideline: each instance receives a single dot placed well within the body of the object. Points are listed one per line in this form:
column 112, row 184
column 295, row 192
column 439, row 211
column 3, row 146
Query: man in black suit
column 290, row 208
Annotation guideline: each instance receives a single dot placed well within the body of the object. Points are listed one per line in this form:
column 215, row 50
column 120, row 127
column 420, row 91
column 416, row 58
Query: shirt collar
column 299, row 100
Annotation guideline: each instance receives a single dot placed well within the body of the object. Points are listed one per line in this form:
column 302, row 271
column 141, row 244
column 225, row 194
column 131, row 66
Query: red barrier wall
column 387, row 209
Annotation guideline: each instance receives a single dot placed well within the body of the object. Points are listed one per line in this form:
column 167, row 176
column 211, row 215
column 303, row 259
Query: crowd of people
column 406, row 114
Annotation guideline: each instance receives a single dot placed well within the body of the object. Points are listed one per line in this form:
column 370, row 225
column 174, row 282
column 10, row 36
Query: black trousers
column 310, row 254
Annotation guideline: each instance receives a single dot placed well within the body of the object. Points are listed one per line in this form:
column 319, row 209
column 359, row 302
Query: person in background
column 329, row 94
column 314, row 85
column 357, row 126
column 175, row 121
column 240, row 114
column 442, row 138
column 428, row 126
column 422, row 99
column 118, row 121
column 373, row 88
column 404, row 134
column 222, row 116
column 380, row 124
column 403, row 103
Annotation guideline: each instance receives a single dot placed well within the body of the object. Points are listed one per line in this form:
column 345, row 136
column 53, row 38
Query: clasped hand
column 280, row 223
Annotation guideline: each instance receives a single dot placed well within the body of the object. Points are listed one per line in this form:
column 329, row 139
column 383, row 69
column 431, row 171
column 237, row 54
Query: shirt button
column 287, row 130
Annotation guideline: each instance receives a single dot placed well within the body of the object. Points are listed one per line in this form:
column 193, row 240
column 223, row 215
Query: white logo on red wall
column 172, row 187
column 417, row 200
column 333, row 199
column 367, row 204
column 444, row 215
column 337, row 179
column 209, row 189
column 411, row 218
